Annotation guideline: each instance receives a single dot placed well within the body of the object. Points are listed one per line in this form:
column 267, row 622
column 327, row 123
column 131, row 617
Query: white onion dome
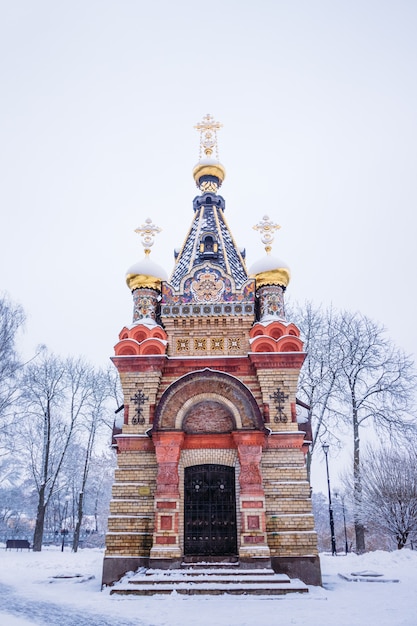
column 145, row 274
column 269, row 270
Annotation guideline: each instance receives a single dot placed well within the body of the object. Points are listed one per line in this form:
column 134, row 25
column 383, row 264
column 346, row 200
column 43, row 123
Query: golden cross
column 208, row 135
column 267, row 228
column 148, row 231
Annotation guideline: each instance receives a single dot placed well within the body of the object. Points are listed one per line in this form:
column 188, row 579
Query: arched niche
column 178, row 407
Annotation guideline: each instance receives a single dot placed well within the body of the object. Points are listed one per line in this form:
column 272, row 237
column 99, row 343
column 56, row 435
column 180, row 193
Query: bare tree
column 376, row 385
column 56, row 395
column 100, row 490
column 317, row 381
column 98, row 416
column 12, row 319
column 389, row 492
column 353, row 377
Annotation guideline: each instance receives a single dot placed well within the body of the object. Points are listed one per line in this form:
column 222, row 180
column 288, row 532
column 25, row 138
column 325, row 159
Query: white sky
column 97, row 107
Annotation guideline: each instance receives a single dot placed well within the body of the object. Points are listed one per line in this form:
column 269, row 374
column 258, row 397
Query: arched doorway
column 210, row 511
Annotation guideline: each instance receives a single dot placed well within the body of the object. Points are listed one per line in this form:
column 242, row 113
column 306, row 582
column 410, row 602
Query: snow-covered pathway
column 63, row 589
column 50, row 613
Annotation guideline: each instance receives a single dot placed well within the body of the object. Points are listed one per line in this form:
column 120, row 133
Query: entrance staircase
column 202, row 579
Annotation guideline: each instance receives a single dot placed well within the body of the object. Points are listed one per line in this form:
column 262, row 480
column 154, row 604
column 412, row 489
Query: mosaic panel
column 207, row 285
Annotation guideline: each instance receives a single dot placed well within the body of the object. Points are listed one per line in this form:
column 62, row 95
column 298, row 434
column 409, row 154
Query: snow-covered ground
column 34, row 590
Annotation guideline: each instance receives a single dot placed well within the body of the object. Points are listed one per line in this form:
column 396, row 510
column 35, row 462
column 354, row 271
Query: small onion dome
column 209, row 167
column 270, row 271
column 145, row 273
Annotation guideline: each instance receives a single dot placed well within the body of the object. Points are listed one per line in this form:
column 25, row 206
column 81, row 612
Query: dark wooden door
column 210, row 511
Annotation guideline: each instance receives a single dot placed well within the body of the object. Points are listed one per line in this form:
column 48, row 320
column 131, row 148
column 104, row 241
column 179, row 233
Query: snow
column 54, row 588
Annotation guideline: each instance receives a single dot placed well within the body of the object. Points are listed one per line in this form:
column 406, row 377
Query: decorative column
column 272, row 276
column 271, row 303
column 253, row 538
column 145, row 303
column 167, row 496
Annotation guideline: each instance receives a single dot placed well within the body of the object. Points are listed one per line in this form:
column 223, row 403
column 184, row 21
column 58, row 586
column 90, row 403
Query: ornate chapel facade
column 210, row 458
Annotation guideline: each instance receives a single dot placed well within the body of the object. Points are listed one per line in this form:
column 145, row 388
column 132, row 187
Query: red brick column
column 253, row 538
column 167, row 496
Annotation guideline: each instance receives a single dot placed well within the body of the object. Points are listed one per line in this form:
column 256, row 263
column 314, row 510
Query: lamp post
column 342, row 500
column 64, row 531
column 325, row 447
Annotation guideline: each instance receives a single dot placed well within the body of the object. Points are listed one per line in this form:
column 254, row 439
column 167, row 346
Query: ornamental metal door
column 209, row 511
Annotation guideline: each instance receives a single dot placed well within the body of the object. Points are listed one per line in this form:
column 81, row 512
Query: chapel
column 210, row 455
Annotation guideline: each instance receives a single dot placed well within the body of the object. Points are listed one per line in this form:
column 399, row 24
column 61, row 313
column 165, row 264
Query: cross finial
column 267, row 228
column 148, row 231
column 208, row 135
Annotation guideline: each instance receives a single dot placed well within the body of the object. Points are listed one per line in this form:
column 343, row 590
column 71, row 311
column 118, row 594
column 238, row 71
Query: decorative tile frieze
column 183, row 344
column 200, row 343
column 208, row 309
column 217, row 343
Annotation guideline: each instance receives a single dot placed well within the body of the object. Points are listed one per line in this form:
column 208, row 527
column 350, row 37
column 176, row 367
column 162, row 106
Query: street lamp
column 325, row 447
column 342, row 500
column 64, row 531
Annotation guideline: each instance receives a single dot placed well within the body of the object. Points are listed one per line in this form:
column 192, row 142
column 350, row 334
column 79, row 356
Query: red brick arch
column 237, row 405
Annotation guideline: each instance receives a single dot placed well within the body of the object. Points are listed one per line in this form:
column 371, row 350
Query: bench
column 18, row 544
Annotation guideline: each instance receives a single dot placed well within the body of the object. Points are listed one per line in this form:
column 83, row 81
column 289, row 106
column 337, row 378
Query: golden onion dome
column 209, row 167
column 145, row 274
column 270, row 271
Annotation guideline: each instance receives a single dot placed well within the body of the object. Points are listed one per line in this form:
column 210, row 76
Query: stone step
column 226, row 580
column 214, row 581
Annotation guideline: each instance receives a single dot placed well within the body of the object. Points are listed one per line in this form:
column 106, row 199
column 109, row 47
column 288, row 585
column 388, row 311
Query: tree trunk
column 77, row 529
column 357, row 486
column 360, row 537
column 402, row 540
column 40, row 520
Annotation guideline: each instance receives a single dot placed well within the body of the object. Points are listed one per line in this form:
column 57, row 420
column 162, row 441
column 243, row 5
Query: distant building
column 211, row 461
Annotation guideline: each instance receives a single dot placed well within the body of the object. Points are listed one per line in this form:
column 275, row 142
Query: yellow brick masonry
column 207, row 455
column 148, row 383
column 129, row 523
column 286, row 380
column 289, row 519
column 208, row 328
column 131, row 519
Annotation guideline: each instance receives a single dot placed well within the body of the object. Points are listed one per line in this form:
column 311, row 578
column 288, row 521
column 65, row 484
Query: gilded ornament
column 267, row 227
column 208, row 135
column 148, row 231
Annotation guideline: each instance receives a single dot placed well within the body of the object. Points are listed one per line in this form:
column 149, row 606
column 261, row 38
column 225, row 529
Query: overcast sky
column 98, row 101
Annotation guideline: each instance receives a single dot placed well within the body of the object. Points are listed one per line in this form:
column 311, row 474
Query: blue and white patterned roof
column 209, row 224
